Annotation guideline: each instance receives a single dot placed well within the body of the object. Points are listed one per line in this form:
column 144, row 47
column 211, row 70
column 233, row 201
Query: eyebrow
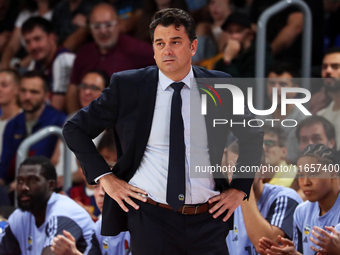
column 172, row 38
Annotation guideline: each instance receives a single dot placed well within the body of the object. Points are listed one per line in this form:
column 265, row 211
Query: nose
column 168, row 51
column 101, row 191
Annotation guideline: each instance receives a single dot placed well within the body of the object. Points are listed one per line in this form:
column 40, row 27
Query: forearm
column 73, row 41
column 288, row 34
column 257, row 226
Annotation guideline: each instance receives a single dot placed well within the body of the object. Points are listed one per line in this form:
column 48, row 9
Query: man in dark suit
column 141, row 105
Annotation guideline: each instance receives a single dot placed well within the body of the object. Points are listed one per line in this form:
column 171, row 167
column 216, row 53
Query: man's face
column 274, row 154
column 90, row 88
column 279, row 81
column 104, row 27
column 331, row 71
column 238, row 33
column 31, row 94
column 32, row 188
column 99, row 194
column 218, row 9
column 173, row 51
column 39, row 44
column 8, row 89
column 317, row 185
column 313, row 135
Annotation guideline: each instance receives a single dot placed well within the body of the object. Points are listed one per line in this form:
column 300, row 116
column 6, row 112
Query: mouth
column 25, row 198
column 307, row 192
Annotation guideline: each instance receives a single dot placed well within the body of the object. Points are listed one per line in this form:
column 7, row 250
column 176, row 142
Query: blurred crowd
column 58, row 56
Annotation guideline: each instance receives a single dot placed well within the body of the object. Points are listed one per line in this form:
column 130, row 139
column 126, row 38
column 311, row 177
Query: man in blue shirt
column 33, row 94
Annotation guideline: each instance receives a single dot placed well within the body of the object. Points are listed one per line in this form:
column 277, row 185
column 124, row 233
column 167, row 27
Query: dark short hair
column 322, row 153
column 332, row 50
column 101, row 73
column 39, row 74
column 313, row 120
column 176, row 17
column 276, row 131
column 107, row 141
column 47, row 169
column 30, row 24
column 14, row 73
column 280, row 67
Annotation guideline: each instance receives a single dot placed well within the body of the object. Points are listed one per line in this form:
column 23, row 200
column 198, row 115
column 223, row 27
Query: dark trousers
column 159, row 231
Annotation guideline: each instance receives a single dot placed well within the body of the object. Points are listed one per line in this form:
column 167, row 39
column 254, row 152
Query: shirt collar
column 165, row 82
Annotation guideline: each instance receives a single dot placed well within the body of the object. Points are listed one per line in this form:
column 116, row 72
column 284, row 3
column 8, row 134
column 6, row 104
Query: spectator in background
column 70, row 22
column 209, row 33
column 331, row 65
column 9, row 90
column 149, row 9
column 268, row 212
column 56, row 63
column 238, row 47
column 110, row 51
column 314, row 130
column 83, row 193
column 322, row 208
column 331, row 74
column 33, row 93
column 274, row 145
column 128, row 12
column 283, row 75
column 284, row 30
column 8, row 14
column 42, row 214
column 42, row 8
column 92, row 85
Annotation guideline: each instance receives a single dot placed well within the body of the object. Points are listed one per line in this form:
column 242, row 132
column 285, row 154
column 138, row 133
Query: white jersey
column 23, row 237
column 105, row 245
column 277, row 205
column 306, row 216
column 337, row 228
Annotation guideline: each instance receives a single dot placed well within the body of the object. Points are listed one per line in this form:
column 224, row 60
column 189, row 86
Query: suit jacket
column 127, row 105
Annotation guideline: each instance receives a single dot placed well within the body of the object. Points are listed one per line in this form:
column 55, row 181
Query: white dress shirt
column 152, row 173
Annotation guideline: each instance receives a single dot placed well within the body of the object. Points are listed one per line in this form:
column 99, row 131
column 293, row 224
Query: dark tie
column 175, row 194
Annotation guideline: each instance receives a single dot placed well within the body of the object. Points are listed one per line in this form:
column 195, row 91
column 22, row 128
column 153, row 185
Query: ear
column 284, row 152
column 193, row 47
column 52, row 185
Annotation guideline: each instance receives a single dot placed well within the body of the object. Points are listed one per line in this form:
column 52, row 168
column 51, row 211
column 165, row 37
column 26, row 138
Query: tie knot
column 177, row 86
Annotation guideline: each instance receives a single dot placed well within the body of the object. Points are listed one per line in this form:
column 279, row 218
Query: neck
column 35, row 115
column 162, row 6
column 49, row 60
column 327, row 203
column 9, row 110
column 43, row 7
column 178, row 76
column 336, row 99
column 277, row 113
column 258, row 189
column 40, row 214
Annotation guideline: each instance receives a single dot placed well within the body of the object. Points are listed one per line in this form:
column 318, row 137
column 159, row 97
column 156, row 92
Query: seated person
column 118, row 245
column 238, row 46
column 83, row 193
column 274, row 145
column 268, row 212
column 321, row 188
column 36, row 115
column 42, row 214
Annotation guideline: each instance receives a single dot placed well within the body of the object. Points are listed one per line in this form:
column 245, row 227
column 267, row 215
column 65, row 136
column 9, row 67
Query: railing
column 261, row 45
column 24, row 147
